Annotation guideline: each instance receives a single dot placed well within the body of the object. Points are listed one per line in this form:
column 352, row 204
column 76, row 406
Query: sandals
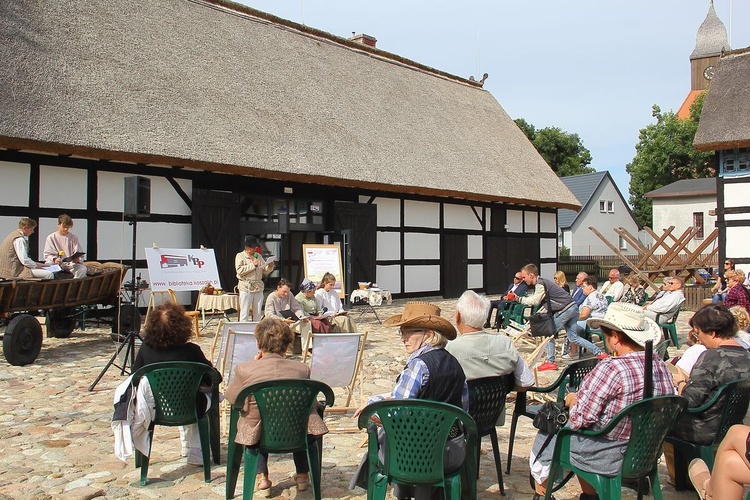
column 263, row 485
column 303, row 481
column 699, row 476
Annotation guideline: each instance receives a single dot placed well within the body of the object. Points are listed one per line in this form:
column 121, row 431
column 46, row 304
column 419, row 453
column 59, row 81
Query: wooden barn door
column 505, row 256
column 454, row 264
column 216, row 224
column 360, row 220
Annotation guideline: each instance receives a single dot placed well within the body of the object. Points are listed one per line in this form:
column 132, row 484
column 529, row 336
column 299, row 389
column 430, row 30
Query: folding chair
column 336, row 361
column 237, row 345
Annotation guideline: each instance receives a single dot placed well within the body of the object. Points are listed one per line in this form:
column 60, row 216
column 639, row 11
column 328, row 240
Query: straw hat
column 630, row 320
column 423, row 315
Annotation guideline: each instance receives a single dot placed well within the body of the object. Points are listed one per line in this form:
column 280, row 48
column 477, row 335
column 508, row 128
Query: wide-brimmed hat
column 423, row 315
column 630, row 320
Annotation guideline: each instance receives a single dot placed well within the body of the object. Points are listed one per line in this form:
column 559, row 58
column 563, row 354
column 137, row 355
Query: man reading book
column 62, row 247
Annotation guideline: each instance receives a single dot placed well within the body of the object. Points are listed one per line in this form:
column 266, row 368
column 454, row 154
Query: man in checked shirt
column 613, row 384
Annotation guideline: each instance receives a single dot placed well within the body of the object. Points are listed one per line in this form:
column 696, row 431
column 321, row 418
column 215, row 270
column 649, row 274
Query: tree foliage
column 564, row 152
column 665, row 154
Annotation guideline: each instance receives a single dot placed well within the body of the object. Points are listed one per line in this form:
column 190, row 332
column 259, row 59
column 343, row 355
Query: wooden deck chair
column 236, row 346
column 336, row 361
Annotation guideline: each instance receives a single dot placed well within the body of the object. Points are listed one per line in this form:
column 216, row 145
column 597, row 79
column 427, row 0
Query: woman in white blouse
column 329, row 301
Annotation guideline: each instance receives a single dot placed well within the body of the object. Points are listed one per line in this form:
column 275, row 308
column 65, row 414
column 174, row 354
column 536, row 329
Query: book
column 74, row 256
column 288, row 314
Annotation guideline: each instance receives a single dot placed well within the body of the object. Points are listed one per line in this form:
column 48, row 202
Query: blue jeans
column 719, row 297
column 574, row 335
column 563, row 319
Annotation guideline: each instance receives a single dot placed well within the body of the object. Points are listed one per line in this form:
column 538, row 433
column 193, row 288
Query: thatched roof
column 725, row 119
column 218, row 86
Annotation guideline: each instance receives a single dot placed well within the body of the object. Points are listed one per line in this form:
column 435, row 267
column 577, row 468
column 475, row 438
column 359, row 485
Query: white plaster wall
column 547, row 270
column 389, row 246
column 735, row 195
column 389, row 278
column 421, row 246
column 678, row 212
column 116, row 238
column 515, row 221
column 584, row 241
column 475, row 278
column 567, row 238
column 14, row 188
column 461, row 217
column 164, row 199
column 475, row 246
column 548, row 248
column 421, row 278
column 547, row 222
column 48, row 226
column 532, row 221
column 62, row 188
column 421, row 214
column 389, row 212
column 737, row 239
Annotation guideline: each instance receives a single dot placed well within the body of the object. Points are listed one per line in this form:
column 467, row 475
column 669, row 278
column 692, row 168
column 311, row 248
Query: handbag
column 543, row 323
column 551, row 417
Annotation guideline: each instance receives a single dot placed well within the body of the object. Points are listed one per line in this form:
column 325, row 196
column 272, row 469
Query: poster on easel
column 182, row 269
column 321, row 259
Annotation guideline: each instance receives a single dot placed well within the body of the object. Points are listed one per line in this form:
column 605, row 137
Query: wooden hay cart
column 22, row 300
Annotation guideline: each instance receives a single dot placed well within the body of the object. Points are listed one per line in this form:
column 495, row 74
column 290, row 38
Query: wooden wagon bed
column 23, row 336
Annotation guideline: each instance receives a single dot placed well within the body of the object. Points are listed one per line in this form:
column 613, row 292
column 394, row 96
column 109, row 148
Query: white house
column 683, row 204
column 604, row 208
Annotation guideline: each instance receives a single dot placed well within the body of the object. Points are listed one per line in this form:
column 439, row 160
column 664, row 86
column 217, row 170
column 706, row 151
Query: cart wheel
column 22, row 340
column 60, row 323
column 127, row 319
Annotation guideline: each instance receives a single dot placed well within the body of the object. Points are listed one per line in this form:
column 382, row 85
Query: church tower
column 710, row 42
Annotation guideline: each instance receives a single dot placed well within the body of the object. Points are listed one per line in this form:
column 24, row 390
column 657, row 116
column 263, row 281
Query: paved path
column 56, row 441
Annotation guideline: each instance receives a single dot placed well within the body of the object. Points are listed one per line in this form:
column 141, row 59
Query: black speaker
column 137, row 196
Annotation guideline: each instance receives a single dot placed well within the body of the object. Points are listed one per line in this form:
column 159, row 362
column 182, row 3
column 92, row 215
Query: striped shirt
column 611, row 386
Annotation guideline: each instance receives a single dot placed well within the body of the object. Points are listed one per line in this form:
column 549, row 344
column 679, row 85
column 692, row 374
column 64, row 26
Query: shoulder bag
column 543, row 323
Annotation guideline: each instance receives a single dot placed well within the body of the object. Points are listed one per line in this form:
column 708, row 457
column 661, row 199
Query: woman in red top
column 737, row 294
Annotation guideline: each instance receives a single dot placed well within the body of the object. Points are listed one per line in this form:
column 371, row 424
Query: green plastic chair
column 569, row 380
column 520, row 313
column 668, row 323
column 651, row 420
column 733, row 398
column 174, row 385
column 284, row 406
column 416, row 431
column 486, row 403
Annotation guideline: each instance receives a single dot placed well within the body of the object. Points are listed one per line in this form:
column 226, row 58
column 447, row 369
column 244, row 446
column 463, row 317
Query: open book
column 74, row 256
column 289, row 314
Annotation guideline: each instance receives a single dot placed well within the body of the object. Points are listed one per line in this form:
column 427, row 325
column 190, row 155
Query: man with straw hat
column 430, row 373
column 613, row 384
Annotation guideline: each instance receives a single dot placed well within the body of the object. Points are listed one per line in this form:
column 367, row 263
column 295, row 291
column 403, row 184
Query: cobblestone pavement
column 56, row 440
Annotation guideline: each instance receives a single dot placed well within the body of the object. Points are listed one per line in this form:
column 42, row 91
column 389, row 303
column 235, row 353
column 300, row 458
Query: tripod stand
column 133, row 333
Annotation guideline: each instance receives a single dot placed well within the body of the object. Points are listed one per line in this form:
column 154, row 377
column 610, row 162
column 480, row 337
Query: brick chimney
column 368, row 40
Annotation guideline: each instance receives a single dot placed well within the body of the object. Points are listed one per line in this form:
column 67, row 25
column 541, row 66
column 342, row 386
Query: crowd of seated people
column 442, row 358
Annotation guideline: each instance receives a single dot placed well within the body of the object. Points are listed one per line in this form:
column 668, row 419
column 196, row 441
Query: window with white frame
column 611, row 207
column 602, row 206
column 623, row 244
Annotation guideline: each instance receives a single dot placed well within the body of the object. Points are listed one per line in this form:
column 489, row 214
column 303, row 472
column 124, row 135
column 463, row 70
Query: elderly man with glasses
column 518, row 287
column 614, row 287
column 673, row 296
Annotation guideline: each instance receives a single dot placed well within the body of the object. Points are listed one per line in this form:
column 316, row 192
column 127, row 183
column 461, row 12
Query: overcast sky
column 592, row 67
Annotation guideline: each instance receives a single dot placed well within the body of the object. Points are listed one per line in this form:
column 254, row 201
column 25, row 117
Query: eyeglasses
column 727, row 263
column 517, row 278
column 409, row 332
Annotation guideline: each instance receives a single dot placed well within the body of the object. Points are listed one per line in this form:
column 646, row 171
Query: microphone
column 325, row 310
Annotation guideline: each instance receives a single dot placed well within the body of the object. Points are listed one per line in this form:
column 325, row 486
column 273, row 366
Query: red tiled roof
column 684, row 112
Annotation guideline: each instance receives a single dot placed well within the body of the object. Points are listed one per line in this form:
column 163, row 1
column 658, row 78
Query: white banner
column 182, row 269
